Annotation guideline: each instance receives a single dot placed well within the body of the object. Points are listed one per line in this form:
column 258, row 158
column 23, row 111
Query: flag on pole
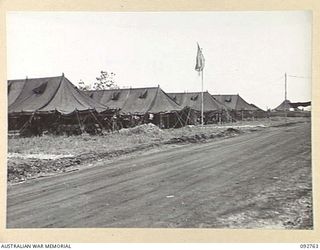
column 199, row 60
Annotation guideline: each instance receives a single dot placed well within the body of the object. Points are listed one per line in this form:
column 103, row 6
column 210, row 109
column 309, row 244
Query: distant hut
column 301, row 106
column 293, row 106
column 292, row 109
column 50, row 103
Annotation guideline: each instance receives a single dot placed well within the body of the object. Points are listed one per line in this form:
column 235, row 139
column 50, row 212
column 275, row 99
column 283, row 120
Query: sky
column 246, row 53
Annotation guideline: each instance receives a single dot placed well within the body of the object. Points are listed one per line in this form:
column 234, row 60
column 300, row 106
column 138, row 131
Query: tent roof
column 14, row 89
column 50, row 94
column 257, row 108
column 136, row 100
column 235, row 102
column 285, row 105
column 193, row 101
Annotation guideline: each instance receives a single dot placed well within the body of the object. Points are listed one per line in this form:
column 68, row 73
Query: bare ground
column 259, row 179
column 37, row 157
column 26, row 161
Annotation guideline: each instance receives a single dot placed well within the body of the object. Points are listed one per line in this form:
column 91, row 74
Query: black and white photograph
column 168, row 119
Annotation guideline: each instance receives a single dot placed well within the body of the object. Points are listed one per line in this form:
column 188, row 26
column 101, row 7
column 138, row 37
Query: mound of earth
column 142, row 129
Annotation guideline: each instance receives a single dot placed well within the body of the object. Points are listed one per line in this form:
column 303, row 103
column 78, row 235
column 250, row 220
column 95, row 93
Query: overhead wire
column 303, row 77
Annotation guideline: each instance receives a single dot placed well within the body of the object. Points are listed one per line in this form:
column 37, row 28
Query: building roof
column 136, row 100
column 50, row 94
column 300, row 104
column 235, row 102
column 193, row 101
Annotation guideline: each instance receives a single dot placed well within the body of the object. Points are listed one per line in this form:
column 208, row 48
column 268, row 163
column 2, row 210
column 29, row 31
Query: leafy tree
column 83, row 86
column 105, row 81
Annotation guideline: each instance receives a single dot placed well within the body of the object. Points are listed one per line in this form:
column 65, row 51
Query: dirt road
column 258, row 179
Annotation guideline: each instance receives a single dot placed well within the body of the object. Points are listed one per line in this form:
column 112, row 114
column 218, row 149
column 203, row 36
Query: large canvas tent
column 49, row 100
column 240, row 108
column 235, row 102
column 214, row 111
column 136, row 100
column 51, row 94
column 140, row 105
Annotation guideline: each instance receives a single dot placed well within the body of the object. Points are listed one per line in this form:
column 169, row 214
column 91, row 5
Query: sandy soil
column 259, row 179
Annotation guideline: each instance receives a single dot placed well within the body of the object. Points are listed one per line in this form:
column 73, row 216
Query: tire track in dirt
column 198, row 181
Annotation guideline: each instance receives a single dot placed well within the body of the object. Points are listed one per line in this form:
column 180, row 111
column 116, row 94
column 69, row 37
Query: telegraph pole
column 285, row 97
column 285, row 86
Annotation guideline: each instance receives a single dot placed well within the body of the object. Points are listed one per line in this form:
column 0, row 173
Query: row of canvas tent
column 55, row 104
column 186, row 105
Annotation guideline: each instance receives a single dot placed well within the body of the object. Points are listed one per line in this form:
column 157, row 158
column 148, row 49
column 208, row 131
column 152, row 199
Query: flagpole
column 199, row 67
column 202, row 98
